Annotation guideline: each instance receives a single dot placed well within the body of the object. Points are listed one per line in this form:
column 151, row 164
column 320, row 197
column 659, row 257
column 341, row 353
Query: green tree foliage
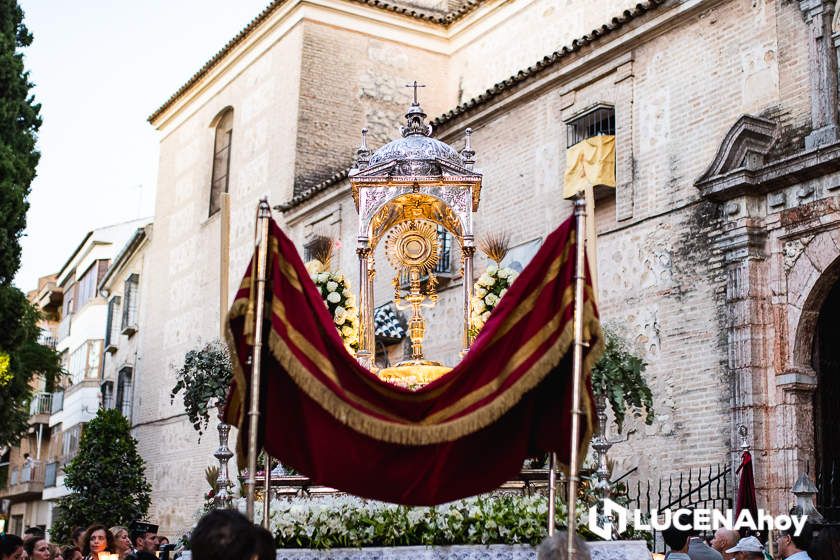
column 107, row 478
column 19, row 122
column 618, row 376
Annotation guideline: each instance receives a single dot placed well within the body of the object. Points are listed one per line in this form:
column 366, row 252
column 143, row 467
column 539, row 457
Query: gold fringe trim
column 415, row 434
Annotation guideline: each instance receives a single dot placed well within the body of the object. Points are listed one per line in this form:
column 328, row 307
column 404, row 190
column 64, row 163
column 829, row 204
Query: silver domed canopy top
column 416, row 154
column 429, row 170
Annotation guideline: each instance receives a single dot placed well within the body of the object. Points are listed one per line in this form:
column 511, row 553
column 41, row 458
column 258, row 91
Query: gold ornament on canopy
column 413, row 248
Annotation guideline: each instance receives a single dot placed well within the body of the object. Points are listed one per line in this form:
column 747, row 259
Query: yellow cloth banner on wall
column 590, row 162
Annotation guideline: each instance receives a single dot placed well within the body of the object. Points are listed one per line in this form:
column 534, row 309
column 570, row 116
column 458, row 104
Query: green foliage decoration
column 107, row 478
column 618, row 375
column 23, row 357
column 204, row 378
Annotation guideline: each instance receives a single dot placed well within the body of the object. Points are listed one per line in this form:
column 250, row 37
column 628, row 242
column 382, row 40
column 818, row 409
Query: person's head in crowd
column 162, row 541
column 724, row 539
column 78, row 537
column 676, row 538
column 11, row 547
column 223, row 534
column 143, row 536
column 264, row 548
column 37, row 548
column 122, row 543
column 33, row 532
column 556, row 547
column 826, row 544
column 788, row 543
column 97, row 539
column 71, row 553
column 748, row 548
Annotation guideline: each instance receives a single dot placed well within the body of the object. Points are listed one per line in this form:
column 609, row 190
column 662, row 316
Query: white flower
column 491, row 300
column 480, row 292
column 512, row 276
column 492, row 269
column 504, row 272
column 485, row 316
column 347, row 292
column 477, row 305
column 323, row 277
column 314, row 267
column 333, row 297
column 502, row 293
column 340, row 315
column 347, row 331
column 338, row 277
column 350, row 301
column 332, row 286
column 485, row 280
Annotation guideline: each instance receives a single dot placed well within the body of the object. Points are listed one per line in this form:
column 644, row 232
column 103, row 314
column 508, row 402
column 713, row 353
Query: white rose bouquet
column 339, row 299
column 488, row 290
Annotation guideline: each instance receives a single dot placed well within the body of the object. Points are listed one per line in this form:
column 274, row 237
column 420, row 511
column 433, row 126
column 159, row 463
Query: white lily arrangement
column 340, row 300
column 488, row 290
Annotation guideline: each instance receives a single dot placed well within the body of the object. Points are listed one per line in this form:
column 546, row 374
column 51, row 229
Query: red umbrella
column 746, row 490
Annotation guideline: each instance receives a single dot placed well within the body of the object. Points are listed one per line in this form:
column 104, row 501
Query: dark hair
column 90, row 531
column 75, row 534
column 264, row 546
column 35, row 531
column 222, row 534
column 68, row 552
column 29, row 544
column 803, row 541
column 675, row 538
column 9, row 544
column 826, row 544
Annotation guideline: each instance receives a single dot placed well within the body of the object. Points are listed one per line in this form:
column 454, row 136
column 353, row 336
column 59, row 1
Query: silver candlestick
column 224, row 497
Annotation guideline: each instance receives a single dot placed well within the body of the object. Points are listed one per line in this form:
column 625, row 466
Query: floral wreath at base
column 488, row 290
column 340, row 300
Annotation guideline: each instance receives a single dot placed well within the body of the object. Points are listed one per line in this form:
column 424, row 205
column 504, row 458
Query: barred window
column 112, row 331
column 600, row 120
column 123, row 395
column 221, row 159
column 129, row 311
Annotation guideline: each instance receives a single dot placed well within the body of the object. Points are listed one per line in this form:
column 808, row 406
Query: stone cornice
column 772, row 176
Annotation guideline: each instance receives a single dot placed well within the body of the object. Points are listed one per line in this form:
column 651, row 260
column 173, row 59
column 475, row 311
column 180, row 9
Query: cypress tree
column 21, row 357
column 107, row 478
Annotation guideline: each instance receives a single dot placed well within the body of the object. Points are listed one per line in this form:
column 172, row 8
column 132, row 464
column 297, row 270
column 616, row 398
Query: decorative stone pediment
column 744, row 146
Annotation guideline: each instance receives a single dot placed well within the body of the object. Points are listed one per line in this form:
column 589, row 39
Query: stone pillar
column 822, row 63
column 795, row 430
column 624, row 170
column 748, row 360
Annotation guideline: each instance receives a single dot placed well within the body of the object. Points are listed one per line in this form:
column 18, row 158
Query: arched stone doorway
column 826, row 364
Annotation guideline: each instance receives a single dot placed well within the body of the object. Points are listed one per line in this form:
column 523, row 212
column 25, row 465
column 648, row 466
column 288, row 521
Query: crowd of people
column 140, row 541
column 228, row 535
column 814, row 543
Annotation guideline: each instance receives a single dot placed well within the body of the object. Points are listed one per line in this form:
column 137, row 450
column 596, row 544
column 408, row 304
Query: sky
column 100, row 68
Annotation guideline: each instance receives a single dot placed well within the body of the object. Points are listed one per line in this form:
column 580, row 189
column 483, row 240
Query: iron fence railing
column 706, row 487
column 41, row 403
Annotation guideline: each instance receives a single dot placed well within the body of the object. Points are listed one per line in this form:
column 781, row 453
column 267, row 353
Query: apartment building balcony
column 64, row 327
column 25, row 482
column 40, row 408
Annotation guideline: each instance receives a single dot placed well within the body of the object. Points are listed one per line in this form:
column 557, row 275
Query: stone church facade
column 717, row 250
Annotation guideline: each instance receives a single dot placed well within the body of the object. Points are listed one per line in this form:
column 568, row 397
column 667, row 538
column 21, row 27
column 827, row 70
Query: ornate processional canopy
column 408, row 187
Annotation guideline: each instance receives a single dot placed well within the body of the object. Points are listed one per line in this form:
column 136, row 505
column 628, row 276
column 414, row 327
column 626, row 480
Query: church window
column 221, row 159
